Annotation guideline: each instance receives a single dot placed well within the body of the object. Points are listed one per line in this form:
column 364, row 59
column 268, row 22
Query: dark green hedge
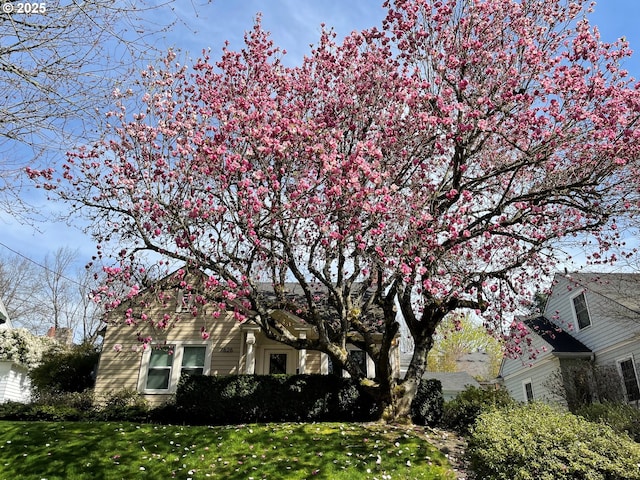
column 272, row 398
column 426, row 408
column 622, row 417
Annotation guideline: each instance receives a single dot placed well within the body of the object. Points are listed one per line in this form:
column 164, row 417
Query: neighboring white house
column 590, row 319
column 15, row 384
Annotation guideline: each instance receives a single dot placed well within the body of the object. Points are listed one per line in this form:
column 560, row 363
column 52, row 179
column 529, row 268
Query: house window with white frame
column 193, row 359
column 527, row 388
column 629, row 375
column 581, row 311
column 162, row 367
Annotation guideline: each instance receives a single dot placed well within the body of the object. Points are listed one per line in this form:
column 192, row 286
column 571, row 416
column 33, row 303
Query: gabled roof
column 561, row 342
column 622, row 288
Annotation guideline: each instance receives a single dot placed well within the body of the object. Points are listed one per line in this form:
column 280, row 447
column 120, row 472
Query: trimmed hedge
column 540, row 442
column 426, row 408
column 272, row 398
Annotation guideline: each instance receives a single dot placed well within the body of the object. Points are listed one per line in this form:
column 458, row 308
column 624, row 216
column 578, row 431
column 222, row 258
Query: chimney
column 62, row 335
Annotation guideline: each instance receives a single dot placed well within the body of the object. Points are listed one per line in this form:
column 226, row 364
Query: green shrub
column 271, row 398
column 66, row 406
column 623, row 418
column 124, row 405
column 35, row 411
column 540, row 442
column 460, row 413
column 426, row 408
column 65, row 371
column 83, row 401
column 13, row 410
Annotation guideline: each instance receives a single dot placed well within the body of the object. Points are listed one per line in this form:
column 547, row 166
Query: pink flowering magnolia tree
column 429, row 165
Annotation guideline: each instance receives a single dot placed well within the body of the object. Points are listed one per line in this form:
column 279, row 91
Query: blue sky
column 294, row 24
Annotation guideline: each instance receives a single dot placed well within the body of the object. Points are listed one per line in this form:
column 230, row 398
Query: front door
column 279, row 362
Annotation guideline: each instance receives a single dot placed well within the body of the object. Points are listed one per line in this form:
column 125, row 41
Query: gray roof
column 622, row 288
column 453, row 381
column 293, row 294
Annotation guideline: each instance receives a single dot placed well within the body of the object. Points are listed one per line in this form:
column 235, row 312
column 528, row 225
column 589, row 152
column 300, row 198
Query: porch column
column 250, row 367
column 302, row 355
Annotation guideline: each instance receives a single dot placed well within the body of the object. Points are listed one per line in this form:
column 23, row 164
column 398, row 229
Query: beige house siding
column 121, row 362
column 232, row 348
column 314, row 362
column 121, row 365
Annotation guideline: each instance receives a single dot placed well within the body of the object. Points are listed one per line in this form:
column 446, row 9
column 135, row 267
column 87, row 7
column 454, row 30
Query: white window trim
column 176, row 366
column 635, row 371
column 526, row 382
column 575, row 315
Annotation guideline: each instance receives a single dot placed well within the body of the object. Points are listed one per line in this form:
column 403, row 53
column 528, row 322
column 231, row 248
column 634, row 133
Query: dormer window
column 581, row 311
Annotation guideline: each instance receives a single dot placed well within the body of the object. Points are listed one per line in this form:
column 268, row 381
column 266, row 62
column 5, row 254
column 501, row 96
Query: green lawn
column 104, row 451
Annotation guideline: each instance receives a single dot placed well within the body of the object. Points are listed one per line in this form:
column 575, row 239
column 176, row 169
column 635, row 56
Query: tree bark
column 403, row 393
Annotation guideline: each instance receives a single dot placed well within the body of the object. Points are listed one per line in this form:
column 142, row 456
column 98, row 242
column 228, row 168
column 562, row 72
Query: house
column 197, row 343
column 585, row 345
column 15, row 384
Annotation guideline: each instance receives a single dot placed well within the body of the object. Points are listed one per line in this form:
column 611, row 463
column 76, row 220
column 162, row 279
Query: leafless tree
column 54, row 293
column 17, row 280
column 58, row 64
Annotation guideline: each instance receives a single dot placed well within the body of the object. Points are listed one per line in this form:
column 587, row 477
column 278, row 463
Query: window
column 193, row 359
column 184, row 301
column 160, row 365
column 581, row 311
column 629, row 379
column 527, row 386
column 277, row 363
column 160, row 372
column 360, row 357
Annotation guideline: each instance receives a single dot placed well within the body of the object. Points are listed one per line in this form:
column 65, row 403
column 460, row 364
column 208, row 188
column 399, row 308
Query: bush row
column 232, row 400
column 123, row 405
column 460, row 413
column 541, row 442
column 271, row 398
column 623, row 418
column 280, row 398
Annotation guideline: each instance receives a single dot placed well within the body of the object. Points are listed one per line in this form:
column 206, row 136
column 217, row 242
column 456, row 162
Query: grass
column 105, row 451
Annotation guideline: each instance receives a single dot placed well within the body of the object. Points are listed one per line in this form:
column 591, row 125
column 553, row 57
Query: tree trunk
column 403, row 393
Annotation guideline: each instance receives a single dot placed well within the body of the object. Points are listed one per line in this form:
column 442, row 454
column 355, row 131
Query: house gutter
column 590, row 355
